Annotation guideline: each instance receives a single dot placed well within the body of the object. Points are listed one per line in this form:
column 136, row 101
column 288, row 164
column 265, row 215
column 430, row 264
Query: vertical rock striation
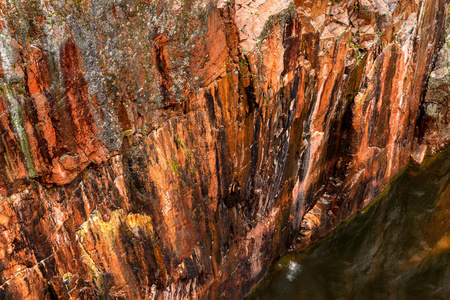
column 173, row 149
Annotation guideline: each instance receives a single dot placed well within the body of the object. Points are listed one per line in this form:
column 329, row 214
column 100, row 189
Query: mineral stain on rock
column 174, row 149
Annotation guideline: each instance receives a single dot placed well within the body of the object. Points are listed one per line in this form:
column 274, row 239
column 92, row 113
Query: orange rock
column 157, row 149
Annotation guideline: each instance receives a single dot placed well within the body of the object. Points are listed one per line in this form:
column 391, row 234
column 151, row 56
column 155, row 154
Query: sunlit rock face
column 173, row 149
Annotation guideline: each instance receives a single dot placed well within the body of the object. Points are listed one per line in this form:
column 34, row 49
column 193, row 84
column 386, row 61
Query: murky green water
column 399, row 248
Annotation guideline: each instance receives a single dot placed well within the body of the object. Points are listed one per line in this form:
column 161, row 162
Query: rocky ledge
column 173, row 149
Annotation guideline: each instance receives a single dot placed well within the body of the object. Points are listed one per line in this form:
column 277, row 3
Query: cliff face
column 173, row 149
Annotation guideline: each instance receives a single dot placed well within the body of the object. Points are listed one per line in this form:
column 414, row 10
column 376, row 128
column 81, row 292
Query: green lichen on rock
column 17, row 121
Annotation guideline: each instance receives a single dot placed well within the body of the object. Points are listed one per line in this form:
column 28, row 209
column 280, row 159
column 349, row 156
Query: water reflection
column 397, row 249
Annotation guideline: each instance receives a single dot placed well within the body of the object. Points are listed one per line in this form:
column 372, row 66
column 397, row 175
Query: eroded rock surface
column 173, row 149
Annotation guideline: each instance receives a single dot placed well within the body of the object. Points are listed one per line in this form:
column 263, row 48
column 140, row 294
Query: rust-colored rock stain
column 174, row 149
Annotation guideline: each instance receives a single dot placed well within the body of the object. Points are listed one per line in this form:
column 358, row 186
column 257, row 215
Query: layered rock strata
column 173, row 149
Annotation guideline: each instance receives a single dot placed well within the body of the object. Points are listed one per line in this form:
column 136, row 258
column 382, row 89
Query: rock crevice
column 174, row 149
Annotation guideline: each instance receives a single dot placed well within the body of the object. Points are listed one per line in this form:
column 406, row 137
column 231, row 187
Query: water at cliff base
column 399, row 248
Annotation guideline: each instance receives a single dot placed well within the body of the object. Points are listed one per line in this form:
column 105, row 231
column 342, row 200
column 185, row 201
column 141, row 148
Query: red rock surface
column 174, row 149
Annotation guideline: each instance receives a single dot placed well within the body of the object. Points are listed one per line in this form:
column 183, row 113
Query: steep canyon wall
column 173, row 149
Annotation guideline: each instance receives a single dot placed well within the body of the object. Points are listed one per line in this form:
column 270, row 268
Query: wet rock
column 418, row 155
column 173, row 149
